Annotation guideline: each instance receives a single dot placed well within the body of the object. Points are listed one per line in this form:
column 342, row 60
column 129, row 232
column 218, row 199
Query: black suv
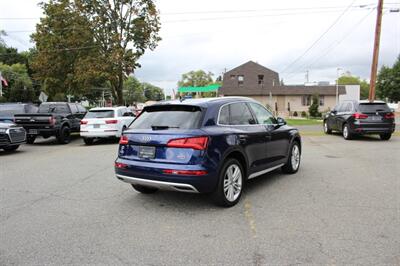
column 359, row 118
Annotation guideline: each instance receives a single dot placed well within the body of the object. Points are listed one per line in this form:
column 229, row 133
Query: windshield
column 100, row 114
column 373, row 107
column 53, row 108
column 168, row 116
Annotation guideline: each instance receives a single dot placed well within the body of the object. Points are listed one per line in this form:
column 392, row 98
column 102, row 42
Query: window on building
column 321, row 100
column 260, row 79
column 233, row 76
column 240, row 79
column 306, row 100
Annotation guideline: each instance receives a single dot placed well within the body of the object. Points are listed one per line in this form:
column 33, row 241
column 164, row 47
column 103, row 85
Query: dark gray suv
column 359, row 118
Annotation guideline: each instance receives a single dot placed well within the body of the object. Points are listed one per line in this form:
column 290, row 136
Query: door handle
column 242, row 138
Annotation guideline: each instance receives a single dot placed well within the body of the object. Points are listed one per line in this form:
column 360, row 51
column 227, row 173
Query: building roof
column 250, row 64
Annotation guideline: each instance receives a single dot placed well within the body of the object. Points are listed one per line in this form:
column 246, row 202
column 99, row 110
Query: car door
column 251, row 136
column 74, row 116
column 277, row 137
column 342, row 114
column 331, row 119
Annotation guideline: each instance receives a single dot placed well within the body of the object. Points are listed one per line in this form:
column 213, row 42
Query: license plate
column 376, row 118
column 96, row 126
column 147, row 152
column 33, row 131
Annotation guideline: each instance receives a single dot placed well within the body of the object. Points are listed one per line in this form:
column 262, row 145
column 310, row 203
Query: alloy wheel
column 233, row 182
column 295, row 159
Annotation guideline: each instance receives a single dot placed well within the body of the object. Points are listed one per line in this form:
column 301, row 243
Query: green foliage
column 19, row 87
column 303, row 114
column 152, row 93
column 196, row 79
column 122, row 30
column 133, row 91
column 388, row 82
column 313, row 109
column 353, row 80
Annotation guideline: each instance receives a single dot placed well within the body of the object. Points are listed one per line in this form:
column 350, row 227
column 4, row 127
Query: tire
column 30, row 139
column 63, row 136
column 346, row 132
column 385, row 136
column 145, row 190
column 88, row 141
column 327, row 130
column 230, row 184
column 11, row 148
column 293, row 163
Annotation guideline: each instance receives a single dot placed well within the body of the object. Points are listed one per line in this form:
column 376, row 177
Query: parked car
column 8, row 110
column 57, row 119
column 11, row 136
column 105, row 122
column 207, row 146
column 359, row 118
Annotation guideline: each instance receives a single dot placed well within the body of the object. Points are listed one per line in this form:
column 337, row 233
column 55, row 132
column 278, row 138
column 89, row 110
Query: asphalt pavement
column 61, row 204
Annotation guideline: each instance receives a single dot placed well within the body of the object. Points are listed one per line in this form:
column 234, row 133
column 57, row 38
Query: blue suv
column 205, row 146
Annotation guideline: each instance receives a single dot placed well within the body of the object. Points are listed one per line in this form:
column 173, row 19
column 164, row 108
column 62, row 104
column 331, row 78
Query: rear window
column 373, row 107
column 53, row 108
column 168, row 116
column 100, row 114
column 9, row 110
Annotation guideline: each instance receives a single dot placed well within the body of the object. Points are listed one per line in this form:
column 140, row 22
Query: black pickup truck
column 57, row 119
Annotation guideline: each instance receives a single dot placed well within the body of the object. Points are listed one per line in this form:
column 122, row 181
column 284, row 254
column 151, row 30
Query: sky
column 290, row 37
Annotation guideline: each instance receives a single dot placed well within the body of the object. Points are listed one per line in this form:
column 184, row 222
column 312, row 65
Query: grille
column 4, row 138
column 17, row 134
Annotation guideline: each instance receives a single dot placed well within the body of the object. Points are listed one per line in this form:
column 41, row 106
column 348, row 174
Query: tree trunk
column 119, row 89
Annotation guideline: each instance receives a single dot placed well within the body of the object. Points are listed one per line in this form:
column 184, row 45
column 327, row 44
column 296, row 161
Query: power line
column 319, row 38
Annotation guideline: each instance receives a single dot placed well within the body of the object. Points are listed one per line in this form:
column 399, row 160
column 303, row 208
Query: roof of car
column 106, row 108
column 205, row 101
column 367, row 101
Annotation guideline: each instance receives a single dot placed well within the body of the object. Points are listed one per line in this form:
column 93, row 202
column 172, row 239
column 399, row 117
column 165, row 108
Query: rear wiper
column 161, row 127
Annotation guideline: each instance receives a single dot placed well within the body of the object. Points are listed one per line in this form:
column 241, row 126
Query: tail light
column 120, row 165
column 113, row 121
column 84, row 122
column 184, row 172
column 360, row 116
column 123, row 140
column 389, row 116
column 52, row 121
column 196, row 143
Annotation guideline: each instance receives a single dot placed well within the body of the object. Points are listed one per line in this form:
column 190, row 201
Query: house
column 262, row 84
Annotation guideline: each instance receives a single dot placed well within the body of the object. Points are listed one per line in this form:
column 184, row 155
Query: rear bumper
column 151, row 174
column 372, row 129
column 100, row 134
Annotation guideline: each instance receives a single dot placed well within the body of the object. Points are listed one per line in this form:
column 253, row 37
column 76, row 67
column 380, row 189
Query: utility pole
column 1, row 85
column 374, row 66
column 307, row 79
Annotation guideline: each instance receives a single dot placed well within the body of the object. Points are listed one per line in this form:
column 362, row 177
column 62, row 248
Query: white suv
column 105, row 122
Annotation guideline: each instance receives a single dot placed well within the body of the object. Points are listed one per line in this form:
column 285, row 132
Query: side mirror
column 334, row 111
column 280, row 121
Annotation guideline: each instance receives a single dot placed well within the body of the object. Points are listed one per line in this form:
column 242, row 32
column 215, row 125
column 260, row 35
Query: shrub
column 303, row 114
column 295, row 114
column 313, row 109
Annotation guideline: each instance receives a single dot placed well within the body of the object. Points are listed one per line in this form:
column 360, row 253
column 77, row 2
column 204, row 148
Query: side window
column 263, row 115
column 240, row 114
column 81, row 109
column 224, row 115
column 121, row 112
column 341, row 107
column 73, row 108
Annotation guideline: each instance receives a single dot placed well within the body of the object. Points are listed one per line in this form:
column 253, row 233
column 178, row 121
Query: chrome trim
column 265, row 171
column 158, row 184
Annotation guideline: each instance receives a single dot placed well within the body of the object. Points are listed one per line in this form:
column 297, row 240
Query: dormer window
column 240, row 80
column 260, row 79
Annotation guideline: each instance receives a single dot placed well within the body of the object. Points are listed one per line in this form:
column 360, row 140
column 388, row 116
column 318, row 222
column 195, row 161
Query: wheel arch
column 238, row 155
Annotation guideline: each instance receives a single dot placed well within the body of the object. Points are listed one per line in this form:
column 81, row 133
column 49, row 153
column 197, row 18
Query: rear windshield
column 100, row 114
column 168, row 116
column 53, row 108
column 9, row 110
column 373, row 107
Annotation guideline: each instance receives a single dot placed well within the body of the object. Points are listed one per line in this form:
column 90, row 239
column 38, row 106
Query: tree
column 388, row 82
column 348, row 79
column 313, row 109
column 65, row 59
column 19, row 87
column 152, row 93
column 133, row 91
column 123, row 30
column 196, row 79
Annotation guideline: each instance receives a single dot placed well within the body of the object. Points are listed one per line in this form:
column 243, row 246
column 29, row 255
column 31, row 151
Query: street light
column 337, row 84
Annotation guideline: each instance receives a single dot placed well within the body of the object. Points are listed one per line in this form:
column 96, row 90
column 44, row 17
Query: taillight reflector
column 360, row 116
column 184, row 172
column 389, row 116
column 113, row 121
column 196, row 143
column 52, row 120
column 84, row 122
column 123, row 140
column 120, row 165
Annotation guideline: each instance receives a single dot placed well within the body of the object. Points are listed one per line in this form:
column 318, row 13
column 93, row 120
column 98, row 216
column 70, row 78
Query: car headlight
column 3, row 130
